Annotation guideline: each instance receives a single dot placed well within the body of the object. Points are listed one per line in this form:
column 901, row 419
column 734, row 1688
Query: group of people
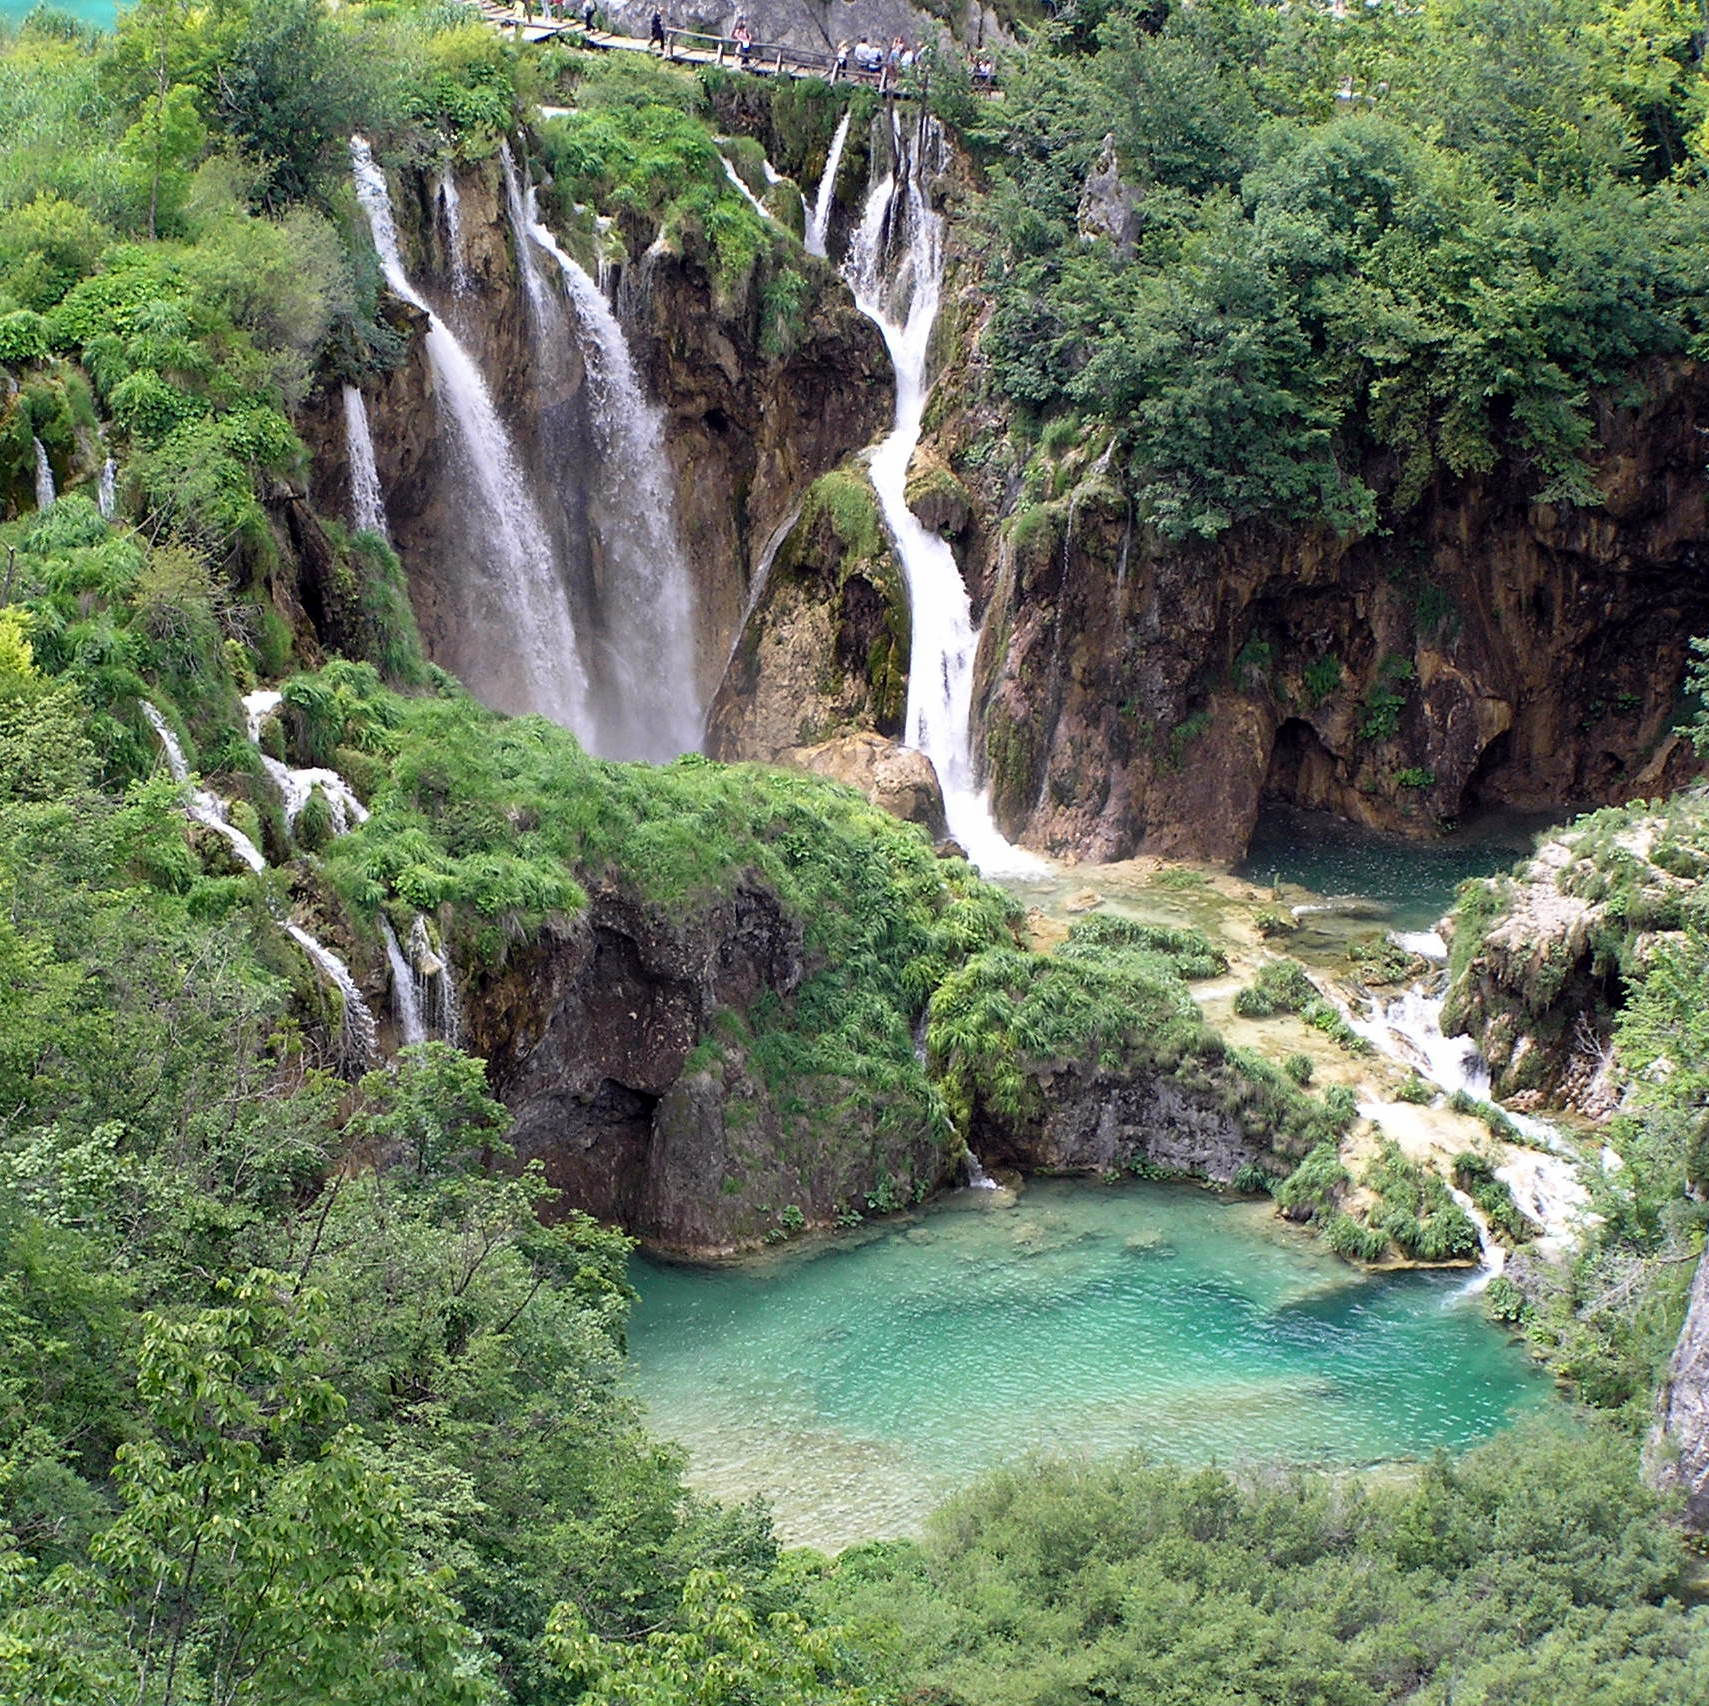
column 870, row 59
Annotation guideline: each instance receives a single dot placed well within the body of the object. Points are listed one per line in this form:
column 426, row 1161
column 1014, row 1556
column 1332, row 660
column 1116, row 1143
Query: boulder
column 895, row 777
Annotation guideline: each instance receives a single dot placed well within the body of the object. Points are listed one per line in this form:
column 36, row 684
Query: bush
column 1310, row 1191
column 1299, row 1068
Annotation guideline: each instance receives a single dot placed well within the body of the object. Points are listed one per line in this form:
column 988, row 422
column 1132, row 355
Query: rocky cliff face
column 1680, row 1448
column 1143, row 696
column 597, row 1041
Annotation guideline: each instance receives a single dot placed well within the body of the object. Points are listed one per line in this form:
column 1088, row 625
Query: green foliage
column 1299, row 1068
column 1475, row 1175
column 1370, row 248
column 1310, row 1192
column 1524, row 1573
column 1416, row 1210
column 1281, row 986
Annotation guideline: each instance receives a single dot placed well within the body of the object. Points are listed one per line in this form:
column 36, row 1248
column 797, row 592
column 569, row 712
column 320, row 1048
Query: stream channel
column 856, row 1381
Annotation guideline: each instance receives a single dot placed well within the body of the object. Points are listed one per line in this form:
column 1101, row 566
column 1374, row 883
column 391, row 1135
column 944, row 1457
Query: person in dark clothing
column 658, row 35
column 587, row 15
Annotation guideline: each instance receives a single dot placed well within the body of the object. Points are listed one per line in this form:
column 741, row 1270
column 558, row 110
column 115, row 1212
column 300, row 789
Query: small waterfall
column 747, row 194
column 901, row 298
column 521, row 219
column 1492, row 1256
column 406, row 987
column 209, row 810
column 361, row 1035
column 1544, row 1182
column 1427, row 944
column 203, row 807
column 762, row 578
column 107, row 490
column 515, row 598
column 45, row 489
column 295, row 786
column 977, row 1178
column 653, row 709
column 452, row 210
column 448, row 1016
column 367, row 506
column 819, row 222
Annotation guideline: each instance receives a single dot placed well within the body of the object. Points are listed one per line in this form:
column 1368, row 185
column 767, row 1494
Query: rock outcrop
column 600, row 1042
column 1541, row 957
column 1679, row 1451
column 897, row 778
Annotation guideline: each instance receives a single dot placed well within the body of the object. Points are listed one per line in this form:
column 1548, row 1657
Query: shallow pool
column 856, row 1383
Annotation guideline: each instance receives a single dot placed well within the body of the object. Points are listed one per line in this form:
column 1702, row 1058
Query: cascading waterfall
column 208, row 809
column 1544, row 1182
column 203, row 807
column 651, row 708
column 107, row 489
column 819, row 221
column 361, row 1033
column 406, row 987
column 977, row 1178
column 452, row 209
column 367, row 505
column 296, row 786
column 515, row 595
column 762, row 578
column 747, row 194
column 901, row 298
column 46, row 492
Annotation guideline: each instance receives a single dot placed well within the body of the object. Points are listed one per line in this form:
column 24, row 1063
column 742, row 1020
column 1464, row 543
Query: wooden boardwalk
column 690, row 47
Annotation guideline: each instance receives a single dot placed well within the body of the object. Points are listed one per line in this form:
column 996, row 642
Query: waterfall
column 747, row 194
column 819, row 222
column 514, row 599
column 448, row 1017
column 209, row 810
column 367, row 506
column 107, row 490
column 1544, row 1182
column 406, row 988
column 902, row 300
column 521, row 220
column 295, row 786
column 653, row 708
column 977, row 1178
column 360, row 1032
column 205, row 808
column 762, row 578
column 45, row 490
column 453, row 212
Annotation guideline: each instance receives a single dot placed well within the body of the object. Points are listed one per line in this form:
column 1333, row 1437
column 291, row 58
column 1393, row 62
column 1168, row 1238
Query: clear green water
column 98, row 12
column 855, row 1384
column 1411, row 882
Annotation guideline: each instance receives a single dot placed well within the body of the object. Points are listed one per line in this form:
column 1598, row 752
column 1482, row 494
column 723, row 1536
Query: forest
column 309, row 1393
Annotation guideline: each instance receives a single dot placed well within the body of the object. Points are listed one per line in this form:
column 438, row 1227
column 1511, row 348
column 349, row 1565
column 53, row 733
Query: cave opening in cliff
column 1301, row 770
column 1479, row 794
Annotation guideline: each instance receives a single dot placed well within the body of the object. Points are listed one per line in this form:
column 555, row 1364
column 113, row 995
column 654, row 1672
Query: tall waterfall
column 511, row 596
column 107, row 490
column 895, row 268
column 649, row 705
column 819, row 220
column 367, row 506
column 45, row 489
column 406, row 987
column 360, row 1031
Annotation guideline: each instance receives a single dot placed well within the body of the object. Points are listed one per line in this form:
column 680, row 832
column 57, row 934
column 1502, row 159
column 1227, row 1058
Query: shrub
column 1310, row 1190
column 1299, row 1068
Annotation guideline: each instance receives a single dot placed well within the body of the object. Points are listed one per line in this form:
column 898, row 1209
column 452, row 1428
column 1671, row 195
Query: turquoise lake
column 98, row 12
column 855, row 1383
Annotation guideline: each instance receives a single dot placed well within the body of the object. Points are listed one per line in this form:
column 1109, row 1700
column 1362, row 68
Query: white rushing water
column 748, row 195
column 406, row 987
column 516, row 599
column 367, row 505
column 360, row 1032
column 819, row 220
column 107, row 490
column 294, row 785
column 651, row 708
column 1545, row 1182
column 205, row 808
column 210, row 810
column 451, row 208
column 895, row 268
column 448, row 1015
column 45, row 490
